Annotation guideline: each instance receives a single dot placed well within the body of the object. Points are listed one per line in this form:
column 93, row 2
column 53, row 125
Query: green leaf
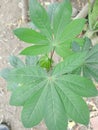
column 87, row 44
column 55, row 116
column 91, row 63
column 40, row 18
column 73, row 29
column 54, row 96
column 74, row 105
column 61, row 17
column 33, row 110
column 50, row 10
column 93, row 54
column 16, row 62
column 45, row 62
column 90, row 66
column 64, row 50
column 29, row 81
column 36, row 50
column 85, row 89
column 26, row 91
column 41, row 98
column 4, row 73
column 26, row 74
column 93, row 16
column 75, row 47
column 69, row 64
column 30, row 36
column 31, row 60
column 80, row 41
column 11, row 86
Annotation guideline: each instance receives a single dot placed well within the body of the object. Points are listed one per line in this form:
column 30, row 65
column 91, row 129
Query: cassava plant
column 48, row 91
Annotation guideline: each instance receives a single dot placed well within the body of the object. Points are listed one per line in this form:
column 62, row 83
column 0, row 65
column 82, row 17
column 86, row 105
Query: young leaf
column 30, row 36
column 36, row 50
column 40, row 18
column 45, row 62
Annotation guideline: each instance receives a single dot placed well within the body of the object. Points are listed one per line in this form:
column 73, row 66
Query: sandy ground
column 10, row 18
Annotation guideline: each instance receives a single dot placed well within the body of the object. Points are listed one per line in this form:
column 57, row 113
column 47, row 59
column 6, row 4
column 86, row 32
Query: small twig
column 25, row 8
column 52, row 53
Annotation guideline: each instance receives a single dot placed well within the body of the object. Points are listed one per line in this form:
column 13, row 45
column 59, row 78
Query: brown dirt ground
column 10, row 18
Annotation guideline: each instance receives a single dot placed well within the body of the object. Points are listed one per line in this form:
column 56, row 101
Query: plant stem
column 52, row 53
column 51, row 57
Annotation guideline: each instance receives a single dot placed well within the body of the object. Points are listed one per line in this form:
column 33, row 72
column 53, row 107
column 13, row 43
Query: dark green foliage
column 49, row 92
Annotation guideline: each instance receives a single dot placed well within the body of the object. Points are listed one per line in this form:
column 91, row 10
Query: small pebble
column 4, row 127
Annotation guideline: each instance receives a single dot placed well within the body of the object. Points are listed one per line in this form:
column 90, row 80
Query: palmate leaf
column 42, row 36
column 55, row 29
column 53, row 97
column 90, row 65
